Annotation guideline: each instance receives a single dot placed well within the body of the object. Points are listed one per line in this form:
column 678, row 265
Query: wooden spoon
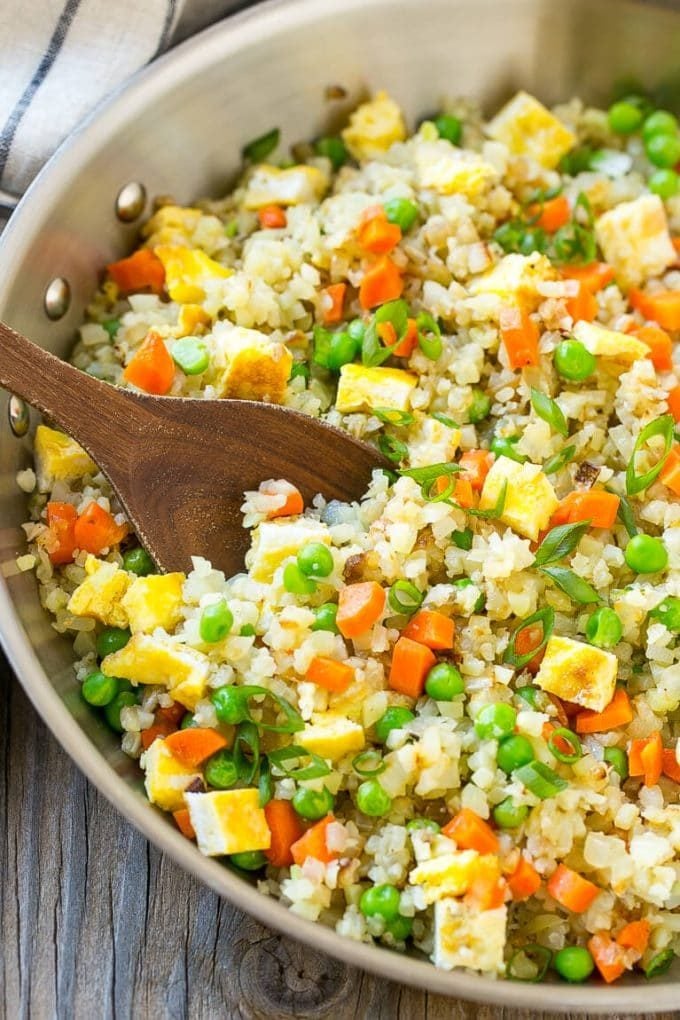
column 180, row 466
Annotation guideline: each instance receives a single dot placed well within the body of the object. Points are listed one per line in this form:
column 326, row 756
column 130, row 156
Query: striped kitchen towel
column 58, row 58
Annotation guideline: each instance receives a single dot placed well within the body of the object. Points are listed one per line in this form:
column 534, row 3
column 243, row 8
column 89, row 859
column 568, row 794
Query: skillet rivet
column 57, row 298
column 17, row 412
column 130, row 202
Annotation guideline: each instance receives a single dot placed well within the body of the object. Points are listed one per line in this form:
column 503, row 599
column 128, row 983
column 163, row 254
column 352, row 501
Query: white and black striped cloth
column 58, row 58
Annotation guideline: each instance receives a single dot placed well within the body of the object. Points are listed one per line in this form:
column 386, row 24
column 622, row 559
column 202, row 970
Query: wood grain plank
column 96, row 923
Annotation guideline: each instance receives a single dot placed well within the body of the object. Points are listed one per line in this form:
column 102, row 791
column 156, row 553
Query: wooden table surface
column 97, row 923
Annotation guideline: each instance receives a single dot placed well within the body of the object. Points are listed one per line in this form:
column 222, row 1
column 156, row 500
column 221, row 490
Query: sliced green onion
column 316, row 768
column 618, row 759
column 332, row 148
column 404, row 597
column 265, row 783
column 111, row 326
column 294, row 721
column 260, row 147
column 659, row 964
column 445, row 420
column 538, row 956
column 373, row 351
column 559, row 460
column 299, row 368
column 462, row 539
column 369, row 763
column 494, row 511
column 391, row 416
column 322, row 346
column 550, row 411
column 540, row 779
column 625, row 514
column 392, row 448
column 247, row 739
column 429, row 336
column 546, row 617
column 662, row 426
column 568, row 757
column 528, row 693
column 559, row 542
column 572, row 585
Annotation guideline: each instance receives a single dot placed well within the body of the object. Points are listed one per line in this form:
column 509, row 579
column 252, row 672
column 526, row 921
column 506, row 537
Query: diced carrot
column 140, row 271
column 471, row 832
column 675, row 241
column 619, row 712
column 286, row 828
column 635, row 935
column 184, row 823
column 609, row 956
column 272, row 217
column 171, row 714
column 594, row 505
column 462, row 493
column 359, row 607
column 382, row 282
column 61, row 520
column 411, row 662
column 96, row 529
column 330, row 674
column 552, row 214
column 571, row 890
column 524, row 881
column 313, row 843
column 645, row 758
column 194, row 745
column 594, row 276
column 292, row 504
column 487, row 889
column 377, row 235
column 520, row 337
column 526, row 641
column 431, row 628
column 151, row 368
column 663, row 307
column 583, row 307
column 409, row 341
column 332, row 301
column 671, row 766
column 670, row 472
column 673, row 400
column 660, row 346
column 475, row 466
column 150, row 734
column 387, row 334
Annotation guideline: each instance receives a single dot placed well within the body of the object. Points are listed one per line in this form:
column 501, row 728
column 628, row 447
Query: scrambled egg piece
column 578, row 672
column 187, row 270
column 159, row 660
column 514, row 279
column 296, row 185
column 464, row 937
column 250, row 365
column 530, row 499
column 154, row 601
column 332, row 736
column 610, row 343
column 172, row 224
column 191, row 318
column 59, row 459
column 449, row 874
column 228, row 821
column 100, row 594
column 166, row 779
column 274, row 541
column 635, row 240
column 374, row 127
column 528, row 129
column 362, row 389
column 448, row 170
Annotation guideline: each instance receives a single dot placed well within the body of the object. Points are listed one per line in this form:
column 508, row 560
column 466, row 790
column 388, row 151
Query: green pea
column 380, row 901
column 113, row 709
column 356, row 329
column 295, row 582
column 401, row 211
column 664, row 183
column 191, row 355
column 513, row 752
column 624, row 117
column 230, row 705
column 423, row 823
column 573, row 361
column 449, row 127
column 332, row 148
column 216, row 622
column 247, row 630
column 315, row 560
column 220, row 770
column 618, row 760
column 312, row 804
column 661, row 122
column 573, row 963
column 508, row 815
column 249, row 860
column 343, row 350
column 495, row 721
column 137, row 561
column 112, row 639
column 479, row 408
column 444, row 682
column 111, row 326
column 400, row 928
column 372, row 800
column 646, row 555
column 394, row 718
column 187, row 721
column 99, row 690
column 604, row 628
column 504, row 446
column 668, row 613
column 325, row 617
column 663, row 150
